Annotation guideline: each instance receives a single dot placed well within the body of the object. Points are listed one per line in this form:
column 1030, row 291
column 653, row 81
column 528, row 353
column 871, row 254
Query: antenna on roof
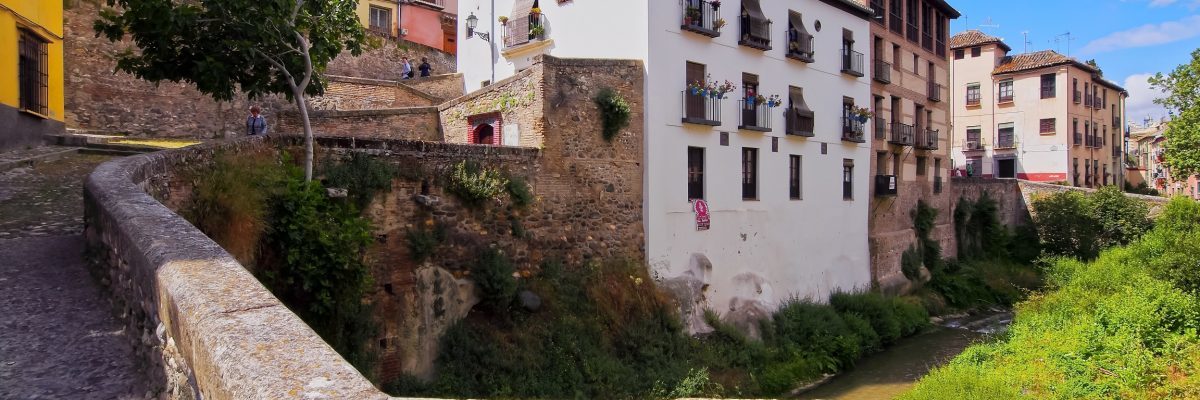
column 1027, row 42
column 987, row 23
column 1068, row 39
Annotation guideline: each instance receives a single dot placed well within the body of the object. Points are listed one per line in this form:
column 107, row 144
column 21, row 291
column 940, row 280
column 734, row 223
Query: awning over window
column 796, row 98
column 797, row 21
column 521, row 8
column 751, row 8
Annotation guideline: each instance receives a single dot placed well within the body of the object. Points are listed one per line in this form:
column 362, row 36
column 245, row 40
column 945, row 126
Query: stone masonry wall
column 99, row 99
column 518, row 100
column 347, row 93
column 416, row 123
column 383, row 60
column 1014, row 197
column 892, row 232
column 443, row 87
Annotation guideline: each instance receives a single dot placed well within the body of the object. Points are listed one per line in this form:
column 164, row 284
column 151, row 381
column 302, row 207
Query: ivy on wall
column 614, row 112
column 510, row 98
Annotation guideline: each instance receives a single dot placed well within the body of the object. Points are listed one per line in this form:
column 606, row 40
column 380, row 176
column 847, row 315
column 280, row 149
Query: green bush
column 1121, row 218
column 978, row 229
column 231, row 200
column 1076, row 225
column 474, row 184
column 423, row 243
column 363, row 175
column 614, row 112
column 493, row 275
column 519, row 191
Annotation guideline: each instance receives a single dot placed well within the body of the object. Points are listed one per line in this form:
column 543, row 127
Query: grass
column 1122, row 326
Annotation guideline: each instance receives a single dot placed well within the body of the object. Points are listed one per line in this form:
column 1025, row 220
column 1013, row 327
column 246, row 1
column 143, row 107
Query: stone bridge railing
column 208, row 328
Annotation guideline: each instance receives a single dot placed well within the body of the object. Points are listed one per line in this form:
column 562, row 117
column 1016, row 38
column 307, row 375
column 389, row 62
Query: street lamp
column 472, row 23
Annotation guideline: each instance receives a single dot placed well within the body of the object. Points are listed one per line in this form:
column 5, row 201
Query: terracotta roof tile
column 974, row 38
column 1028, row 61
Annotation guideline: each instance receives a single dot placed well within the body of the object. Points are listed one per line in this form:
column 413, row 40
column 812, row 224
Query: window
column 973, row 94
column 1006, row 168
column 959, row 54
column 1046, row 125
column 881, row 163
column 974, row 134
column 1075, row 172
column 1005, row 137
column 921, row 165
column 1075, row 90
column 976, row 51
column 916, row 64
column 847, row 179
column 381, row 20
column 795, row 169
column 695, row 177
column 937, row 167
column 33, row 73
column 799, row 119
column 800, row 42
column 1006, row 91
column 1104, row 103
column 695, row 106
column 749, row 173
column 1048, row 86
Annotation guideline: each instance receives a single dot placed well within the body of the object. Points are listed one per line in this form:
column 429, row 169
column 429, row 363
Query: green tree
column 258, row 47
column 1182, row 90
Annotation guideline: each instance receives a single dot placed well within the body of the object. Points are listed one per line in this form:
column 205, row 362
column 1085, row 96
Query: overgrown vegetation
column 362, row 175
column 1122, row 326
column 1141, row 188
column 614, row 112
column 230, row 200
column 605, row 331
column 423, row 241
column 1076, row 225
column 519, row 191
column 474, row 184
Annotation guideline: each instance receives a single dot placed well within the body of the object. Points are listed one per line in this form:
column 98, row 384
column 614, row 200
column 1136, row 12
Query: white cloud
column 1141, row 99
column 1146, row 35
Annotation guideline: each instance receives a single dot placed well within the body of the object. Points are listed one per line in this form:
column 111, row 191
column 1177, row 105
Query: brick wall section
column 443, row 87
column 892, row 231
column 383, row 62
column 97, row 99
column 416, row 123
column 519, row 100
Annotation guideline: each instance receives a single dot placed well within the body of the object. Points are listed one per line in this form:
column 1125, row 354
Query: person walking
column 256, row 124
column 425, row 68
column 406, row 70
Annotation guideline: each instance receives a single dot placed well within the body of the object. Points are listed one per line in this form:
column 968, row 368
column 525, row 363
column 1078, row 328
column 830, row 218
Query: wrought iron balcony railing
column 935, row 91
column 756, row 33
column 880, row 128
column 700, row 16
column 520, row 31
column 701, row 110
column 972, row 145
column 852, row 62
column 852, row 130
column 927, row 139
column 903, row 134
column 883, row 71
column 754, row 116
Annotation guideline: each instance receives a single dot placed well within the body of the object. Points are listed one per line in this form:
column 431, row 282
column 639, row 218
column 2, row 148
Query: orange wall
column 424, row 26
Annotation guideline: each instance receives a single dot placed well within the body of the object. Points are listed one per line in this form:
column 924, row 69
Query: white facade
column 765, row 250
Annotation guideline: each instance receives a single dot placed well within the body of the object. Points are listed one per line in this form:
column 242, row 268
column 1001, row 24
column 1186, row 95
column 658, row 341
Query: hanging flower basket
column 861, row 114
column 710, row 89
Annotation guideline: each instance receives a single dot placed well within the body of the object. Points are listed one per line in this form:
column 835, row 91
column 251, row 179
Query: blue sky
column 1130, row 39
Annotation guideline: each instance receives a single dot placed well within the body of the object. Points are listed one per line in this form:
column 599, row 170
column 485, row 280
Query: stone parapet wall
column 416, row 123
column 443, row 87
column 348, row 93
column 205, row 327
column 1014, row 197
column 383, row 61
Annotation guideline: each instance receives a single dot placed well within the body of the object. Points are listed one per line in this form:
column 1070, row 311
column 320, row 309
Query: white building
column 788, row 195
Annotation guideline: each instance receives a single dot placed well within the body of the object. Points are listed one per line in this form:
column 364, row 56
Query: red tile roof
column 973, row 38
column 1045, row 59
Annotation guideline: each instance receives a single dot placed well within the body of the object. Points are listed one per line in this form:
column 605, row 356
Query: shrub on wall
column 614, row 112
column 362, row 175
column 474, row 184
column 519, row 191
column 422, row 242
column 493, row 275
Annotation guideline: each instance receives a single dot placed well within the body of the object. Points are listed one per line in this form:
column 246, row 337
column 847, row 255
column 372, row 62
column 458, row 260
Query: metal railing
column 701, row 110
column 941, row 47
column 755, row 117
column 1087, row 141
column 756, row 33
column 927, row 139
column 799, row 124
column 896, row 21
column 1116, row 151
column 801, row 48
column 927, row 40
column 903, row 134
column 913, row 32
column 439, row 3
column 935, row 91
column 877, row 9
column 1006, row 142
column 700, row 16
column 1078, row 138
column 1116, row 122
column 519, row 31
column 852, row 130
column 1077, row 97
column 852, row 62
column 883, row 71
column 972, row 145
column 1004, row 98
column 1047, row 93
column 886, row 185
column 1087, row 100
column 880, row 128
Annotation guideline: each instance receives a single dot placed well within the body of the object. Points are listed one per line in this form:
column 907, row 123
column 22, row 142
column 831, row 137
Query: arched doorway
column 483, row 134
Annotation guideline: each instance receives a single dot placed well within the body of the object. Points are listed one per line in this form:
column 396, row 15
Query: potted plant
column 503, row 19
column 716, row 4
column 692, row 16
column 710, row 89
column 718, row 23
column 861, row 114
column 537, row 31
column 773, row 101
column 535, row 11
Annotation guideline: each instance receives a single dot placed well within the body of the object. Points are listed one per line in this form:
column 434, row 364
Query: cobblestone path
column 58, row 336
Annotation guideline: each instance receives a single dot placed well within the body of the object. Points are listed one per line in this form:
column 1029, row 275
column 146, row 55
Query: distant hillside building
column 31, row 72
column 1146, row 163
column 1039, row 116
column 427, row 22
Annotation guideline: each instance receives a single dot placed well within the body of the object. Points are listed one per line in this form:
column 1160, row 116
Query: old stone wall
column 443, row 87
column 892, row 232
column 514, row 106
column 416, row 123
column 202, row 324
column 1014, row 197
column 99, row 99
column 347, row 93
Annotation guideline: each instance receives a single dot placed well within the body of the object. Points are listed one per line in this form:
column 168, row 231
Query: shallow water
column 890, row 373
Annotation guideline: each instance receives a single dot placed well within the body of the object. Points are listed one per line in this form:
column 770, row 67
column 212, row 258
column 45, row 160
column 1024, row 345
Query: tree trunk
column 302, row 104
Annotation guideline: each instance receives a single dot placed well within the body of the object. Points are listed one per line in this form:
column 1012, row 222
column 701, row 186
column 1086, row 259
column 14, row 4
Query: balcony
column 1006, row 142
column 877, row 9
column 756, row 33
column 935, row 91
column 885, row 185
column 913, row 33
column 755, row 116
column 799, row 123
column 896, row 22
column 522, row 31
column 1087, row 141
column 972, row 145
column 973, row 101
column 1097, row 104
column 880, row 128
column 1116, row 152
column 883, row 71
column 1087, row 101
column 701, row 17
column 927, row 40
column 852, row 130
column 927, row 139
column 1078, row 138
column 701, row 110
column 937, row 184
column 941, row 48
column 903, row 134
column 801, row 48
column 1077, row 97
column 852, row 62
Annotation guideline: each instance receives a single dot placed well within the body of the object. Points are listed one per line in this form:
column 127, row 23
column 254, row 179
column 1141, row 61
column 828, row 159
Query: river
column 889, row 373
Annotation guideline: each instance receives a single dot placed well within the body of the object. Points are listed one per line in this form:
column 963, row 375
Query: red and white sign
column 700, row 207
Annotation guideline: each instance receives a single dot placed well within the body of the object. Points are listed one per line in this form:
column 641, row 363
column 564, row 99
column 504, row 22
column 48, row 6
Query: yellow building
column 31, row 71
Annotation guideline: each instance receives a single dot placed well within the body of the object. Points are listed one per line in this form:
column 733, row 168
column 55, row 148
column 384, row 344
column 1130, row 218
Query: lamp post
column 472, row 22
